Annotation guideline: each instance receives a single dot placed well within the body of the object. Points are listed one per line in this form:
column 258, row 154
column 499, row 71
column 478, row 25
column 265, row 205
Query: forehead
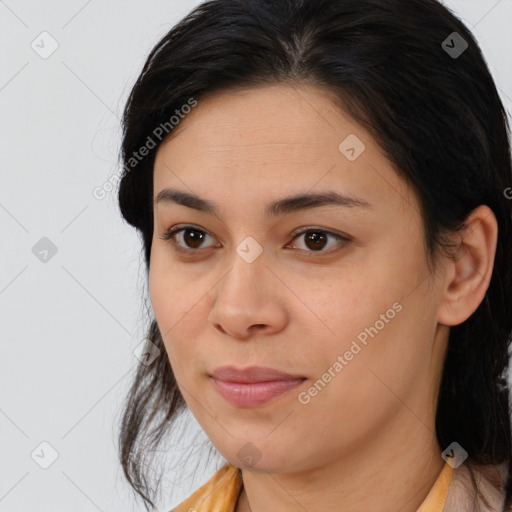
column 278, row 120
column 272, row 139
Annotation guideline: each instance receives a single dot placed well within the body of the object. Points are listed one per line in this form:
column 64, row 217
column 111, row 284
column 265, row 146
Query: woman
column 321, row 189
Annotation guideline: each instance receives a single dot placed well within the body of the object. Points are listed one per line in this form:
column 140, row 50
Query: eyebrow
column 282, row 206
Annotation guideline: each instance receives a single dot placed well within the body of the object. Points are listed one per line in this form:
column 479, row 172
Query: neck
column 394, row 471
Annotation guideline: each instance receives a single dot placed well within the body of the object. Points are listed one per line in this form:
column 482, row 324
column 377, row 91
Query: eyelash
column 169, row 235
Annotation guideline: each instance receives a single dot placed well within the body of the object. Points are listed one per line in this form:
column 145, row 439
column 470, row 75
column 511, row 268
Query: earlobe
column 469, row 270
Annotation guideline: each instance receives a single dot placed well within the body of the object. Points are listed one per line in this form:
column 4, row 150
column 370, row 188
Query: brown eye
column 315, row 240
column 189, row 238
column 193, row 238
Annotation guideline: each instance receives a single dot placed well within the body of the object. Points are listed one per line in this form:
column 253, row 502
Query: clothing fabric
column 452, row 492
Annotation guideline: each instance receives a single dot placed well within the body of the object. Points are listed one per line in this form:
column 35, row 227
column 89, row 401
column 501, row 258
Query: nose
column 249, row 299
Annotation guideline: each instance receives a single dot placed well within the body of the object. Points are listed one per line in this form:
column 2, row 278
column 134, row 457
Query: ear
column 469, row 269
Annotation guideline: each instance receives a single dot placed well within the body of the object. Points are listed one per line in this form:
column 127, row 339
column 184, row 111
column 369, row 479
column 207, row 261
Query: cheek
column 174, row 296
column 353, row 379
column 175, row 304
column 339, row 309
column 385, row 362
column 370, row 314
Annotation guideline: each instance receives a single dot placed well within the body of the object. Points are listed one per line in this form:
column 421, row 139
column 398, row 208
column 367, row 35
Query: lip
column 253, row 386
column 251, row 374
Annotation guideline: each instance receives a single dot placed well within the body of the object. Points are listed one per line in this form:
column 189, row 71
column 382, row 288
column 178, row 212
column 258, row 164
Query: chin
column 251, row 457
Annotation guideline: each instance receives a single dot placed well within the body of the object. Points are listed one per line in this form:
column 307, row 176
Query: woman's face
column 347, row 306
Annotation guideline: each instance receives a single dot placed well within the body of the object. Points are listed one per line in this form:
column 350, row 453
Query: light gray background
column 70, row 325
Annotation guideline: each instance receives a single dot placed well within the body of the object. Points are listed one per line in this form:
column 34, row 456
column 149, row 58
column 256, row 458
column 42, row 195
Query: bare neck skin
column 396, row 476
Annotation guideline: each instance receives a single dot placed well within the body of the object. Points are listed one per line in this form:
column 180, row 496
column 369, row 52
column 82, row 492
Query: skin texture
column 367, row 439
